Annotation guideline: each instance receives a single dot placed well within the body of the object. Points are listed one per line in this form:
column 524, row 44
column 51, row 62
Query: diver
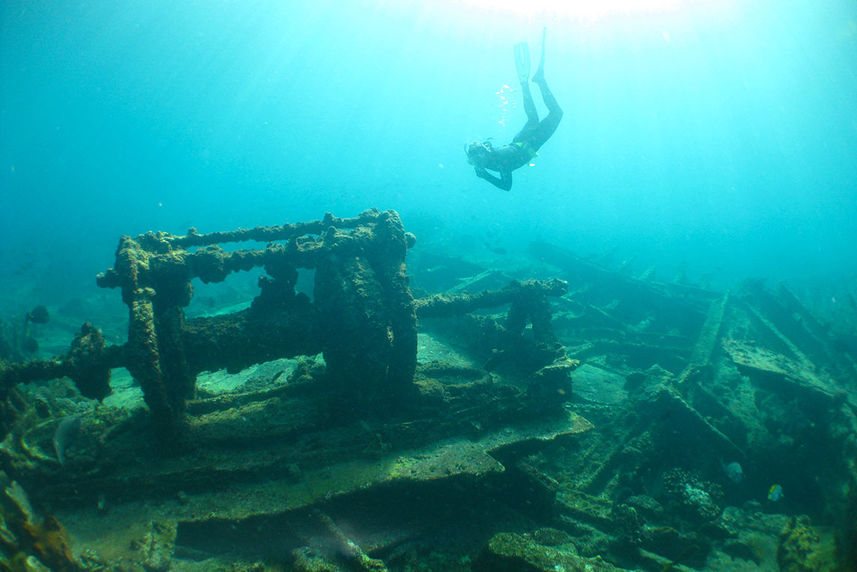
column 525, row 145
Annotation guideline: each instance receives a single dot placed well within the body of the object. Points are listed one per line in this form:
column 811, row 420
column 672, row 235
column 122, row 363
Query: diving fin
column 540, row 73
column 522, row 61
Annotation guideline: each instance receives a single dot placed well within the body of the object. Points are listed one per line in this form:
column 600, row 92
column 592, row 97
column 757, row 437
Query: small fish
column 734, row 471
column 775, row 493
column 65, row 434
column 38, row 315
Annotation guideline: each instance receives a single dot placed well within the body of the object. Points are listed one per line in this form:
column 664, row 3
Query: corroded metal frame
column 363, row 317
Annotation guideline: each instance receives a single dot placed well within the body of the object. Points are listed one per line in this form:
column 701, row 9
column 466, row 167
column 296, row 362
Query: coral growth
column 29, row 541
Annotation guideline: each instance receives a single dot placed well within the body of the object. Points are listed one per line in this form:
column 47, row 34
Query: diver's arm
column 504, row 181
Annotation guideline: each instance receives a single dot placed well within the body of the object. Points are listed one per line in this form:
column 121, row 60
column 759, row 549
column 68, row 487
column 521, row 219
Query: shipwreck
column 393, row 417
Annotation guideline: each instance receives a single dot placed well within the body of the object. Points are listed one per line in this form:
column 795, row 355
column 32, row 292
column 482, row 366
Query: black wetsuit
column 526, row 143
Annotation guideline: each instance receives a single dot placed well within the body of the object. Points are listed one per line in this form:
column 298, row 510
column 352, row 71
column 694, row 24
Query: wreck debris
column 708, row 378
column 88, row 363
column 363, row 318
column 156, row 547
column 349, row 550
column 359, row 459
column 502, row 343
column 364, row 421
column 360, row 272
column 707, row 341
column 802, row 548
column 509, row 551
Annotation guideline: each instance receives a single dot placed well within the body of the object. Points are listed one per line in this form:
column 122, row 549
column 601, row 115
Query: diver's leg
column 548, row 125
column 547, row 96
column 537, row 137
column 529, row 105
column 543, row 131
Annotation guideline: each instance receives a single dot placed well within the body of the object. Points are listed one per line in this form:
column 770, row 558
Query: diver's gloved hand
column 481, row 172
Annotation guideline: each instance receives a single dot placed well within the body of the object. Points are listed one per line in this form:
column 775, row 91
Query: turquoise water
column 713, row 142
column 718, row 138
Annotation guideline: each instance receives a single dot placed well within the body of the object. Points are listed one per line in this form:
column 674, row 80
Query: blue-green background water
column 720, row 138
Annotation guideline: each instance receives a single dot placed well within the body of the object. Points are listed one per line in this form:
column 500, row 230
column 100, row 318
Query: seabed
column 553, row 414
